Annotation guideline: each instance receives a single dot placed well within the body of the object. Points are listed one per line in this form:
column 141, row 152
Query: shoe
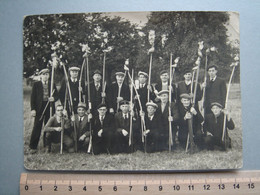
column 32, row 151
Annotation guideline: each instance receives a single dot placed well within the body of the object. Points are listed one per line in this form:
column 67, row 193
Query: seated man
column 55, row 126
column 213, row 127
column 122, row 125
column 153, row 126
column 82, row 121
column 103, row 126
column 189, row 115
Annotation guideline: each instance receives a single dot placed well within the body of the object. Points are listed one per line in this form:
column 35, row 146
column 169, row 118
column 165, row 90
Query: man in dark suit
column 103, row 127
column 40, row 97
column 82, row 121
column 163, row 112
column 186, row 113
column 74, row 88
column 213, row 127
column 117, row 92
column 215, row 89
column 122, row 126
column 96, row 93
column 153, row 127
column 164, row 85
column 185, row 87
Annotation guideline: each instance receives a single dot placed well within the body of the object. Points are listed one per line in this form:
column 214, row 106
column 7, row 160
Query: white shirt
column 151, row 117
column 213, row 79
column 188, row 82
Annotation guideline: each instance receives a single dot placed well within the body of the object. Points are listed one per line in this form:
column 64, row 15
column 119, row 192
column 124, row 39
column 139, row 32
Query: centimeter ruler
column 239, row 182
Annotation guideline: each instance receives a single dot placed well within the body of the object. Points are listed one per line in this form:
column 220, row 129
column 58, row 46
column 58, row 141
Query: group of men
column 108, row 122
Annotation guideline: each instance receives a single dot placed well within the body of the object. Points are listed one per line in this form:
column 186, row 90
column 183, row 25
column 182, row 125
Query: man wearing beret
column 103, row 127
column 82, row 121
column 122, row 125
column 185, row 87
column 74, row 88
column 55, row 125
column 215, row 89
column 96, row 93
column 40, row 97
column 213, row 127
column 153, row 126
column 186, row 113
column 163, row 112
column 164, row 85
column 117, row 92
column 142, row 90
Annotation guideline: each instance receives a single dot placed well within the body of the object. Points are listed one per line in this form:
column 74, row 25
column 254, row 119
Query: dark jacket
column 181, row 88
column 143, row 93
column 158, row 87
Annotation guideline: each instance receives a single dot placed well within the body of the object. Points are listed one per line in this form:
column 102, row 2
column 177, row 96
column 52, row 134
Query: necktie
column 101, row 120
column 97, row 87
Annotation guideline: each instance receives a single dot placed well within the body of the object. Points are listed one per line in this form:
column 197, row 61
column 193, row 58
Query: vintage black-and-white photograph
column 132, row 91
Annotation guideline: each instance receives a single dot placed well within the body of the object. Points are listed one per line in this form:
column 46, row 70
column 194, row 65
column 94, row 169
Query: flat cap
column 186, row 96
column 97, row 72
column 143, row 73
column 45, row 70
column 101, row 105
column 163, row 72
column 82, row 105
column 124, row 102
column 187, row 70
column 216, row 104
column 163, row 92
column 120, row 73
column 151, row 103
column 74, row 68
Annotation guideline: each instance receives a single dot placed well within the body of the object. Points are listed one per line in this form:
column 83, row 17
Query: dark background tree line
column 175, row 32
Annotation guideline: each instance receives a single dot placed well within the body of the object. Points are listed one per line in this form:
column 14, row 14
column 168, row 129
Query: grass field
column 176, row 160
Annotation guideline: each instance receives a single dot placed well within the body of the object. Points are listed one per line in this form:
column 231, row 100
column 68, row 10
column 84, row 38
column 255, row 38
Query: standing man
column 96, row 93
column 117, row 92
column 54, row 127
column 184, row 87
column 74, row 87
column 187, row 112
column 213, row 127
column 164, row 85
column 103, row 126
column 82, row 121
column 39, row 99
column 163, row 112
column 215, row 89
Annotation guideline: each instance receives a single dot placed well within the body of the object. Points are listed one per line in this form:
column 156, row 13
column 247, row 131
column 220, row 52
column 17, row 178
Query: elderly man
column 74, row 88
column 40, row 97
column 54, row 128
column 166, row 117
column 213, row 127
column 103, row 127
column 117, row 92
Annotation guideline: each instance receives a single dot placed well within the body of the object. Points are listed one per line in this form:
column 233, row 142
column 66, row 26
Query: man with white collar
column 117, row 92
column 96, row 93
column 39, row 98
column 142, row 90
column 215, row 89
column 213, row 127
column 163, row 112
column 82, row 121
column 103, row 127
column 57, row 123
column 185, row 87
column 164, row 85
column 153, row 126
column 74, row 87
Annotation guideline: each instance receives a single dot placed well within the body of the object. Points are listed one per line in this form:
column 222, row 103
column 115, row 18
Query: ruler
column 237, row 182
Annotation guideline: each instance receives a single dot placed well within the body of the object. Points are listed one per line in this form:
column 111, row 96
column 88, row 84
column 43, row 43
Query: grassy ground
column 176, row 160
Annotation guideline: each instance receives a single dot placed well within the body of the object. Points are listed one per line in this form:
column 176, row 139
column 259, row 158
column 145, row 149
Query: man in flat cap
column 40, row 97
column 122, row 125
column 215, row 89
column 54, row 127
column 164, row 85
column 189, row 114
column 142, row 90
column 82, row 121
column 213, row 127
column 103, row 127
column 96, row 93
column 153, row 126
column 117, row 92
column 74, row 88
column 185, row 87
column 163, row 112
